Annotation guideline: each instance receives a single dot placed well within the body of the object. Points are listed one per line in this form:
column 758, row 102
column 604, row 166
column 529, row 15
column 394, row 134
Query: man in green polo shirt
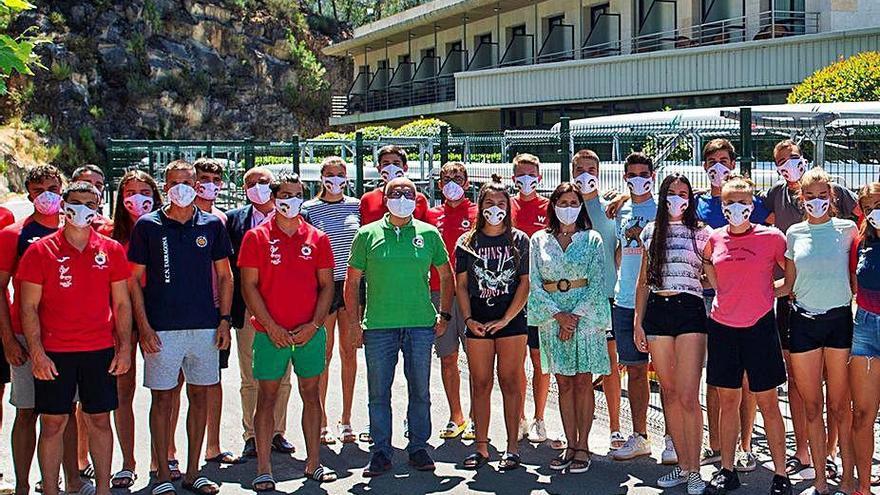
column 396, row 255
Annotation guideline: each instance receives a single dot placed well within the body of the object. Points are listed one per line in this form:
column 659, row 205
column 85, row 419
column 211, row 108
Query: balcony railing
column 558, row 45
column 519, row 51
column 604, row 37
column 485, row 56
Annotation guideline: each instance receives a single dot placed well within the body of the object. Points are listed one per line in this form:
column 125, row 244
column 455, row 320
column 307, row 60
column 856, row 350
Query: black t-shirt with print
column 494, row 267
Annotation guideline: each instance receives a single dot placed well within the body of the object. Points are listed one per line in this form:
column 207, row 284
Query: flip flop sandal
column 123, row 479
column 346, row 433
column 326, row 437
column 875, row 480
column 201, row 486
column 831, row 469
column 476, row 460
column 794, row 466
column 365, row 436
column 470, row 433
column 263, row 479
column 453, row 430
column 162, row 488
column 509, row 461
column 38, row 486
column 322, row 475
column 561, row 462
column 226, row 457
column 86, row 489
column 88, row 472
column 578, row 466
column 174, row 468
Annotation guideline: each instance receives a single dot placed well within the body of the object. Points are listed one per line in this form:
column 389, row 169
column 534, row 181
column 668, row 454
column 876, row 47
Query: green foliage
column 16, row 54
column 137, row 46
column 373, row 132
column 312, row 72
column 332, row 135
column 96, row 112
column 653, row 146
column 421, row 127
column 187, row 84
column 40, row 124
column 21, row 96
column 355, row 13
column 61, row 70
column 854, row 79
column 152, row 15
column 57, row 19
column 138, row 85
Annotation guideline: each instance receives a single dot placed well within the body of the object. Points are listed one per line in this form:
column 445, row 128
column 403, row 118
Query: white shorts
column 192, row 351
column 21, row 395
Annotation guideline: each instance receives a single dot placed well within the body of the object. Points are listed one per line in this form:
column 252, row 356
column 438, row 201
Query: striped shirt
column 341, row 221
column 684, row 261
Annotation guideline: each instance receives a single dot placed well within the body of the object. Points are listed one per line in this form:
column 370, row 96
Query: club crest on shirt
column 418, row 241
column 465, row 224
column 64, row 278
column 274, row 254
column 201, row 241
column 100, row 260
column 306, row 251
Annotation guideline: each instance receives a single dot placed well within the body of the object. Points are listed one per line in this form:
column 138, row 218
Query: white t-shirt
column 684, row 262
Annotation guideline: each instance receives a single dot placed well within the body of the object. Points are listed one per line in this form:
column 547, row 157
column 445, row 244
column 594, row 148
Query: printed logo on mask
column 418, row 241
column 201, row 241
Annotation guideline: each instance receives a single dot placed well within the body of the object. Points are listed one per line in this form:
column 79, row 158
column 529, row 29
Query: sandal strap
column 124, row 474
column 263, row 478
column 202, row 481
column 161, row 488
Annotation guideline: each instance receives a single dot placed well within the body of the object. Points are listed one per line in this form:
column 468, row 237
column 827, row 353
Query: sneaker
column 470, row 433
column 537, row 431
column 379, row 465
column 722, row 482
column 616, row 440
column 421, row 460
column 523, row 429
column 696, row 485
column 6, row 488
column 635, row 446
column 780, row 485
column 745, row 462
column 709, row 456
column 673, row 478
column 668, row 457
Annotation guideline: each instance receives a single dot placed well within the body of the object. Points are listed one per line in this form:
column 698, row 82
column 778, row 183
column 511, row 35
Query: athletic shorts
column 783, row 310
column 83, row 371
column 671, row 316
column 832, row 329
column 622, row 321
column 192, row 351
column 270, row 362
column 21, row 393
column 753, row 350
column 866, row 334
column 4, row 367
column 533, row 341
column 448, row 343
column 516, row 327
column 223, row 358
column 338, row 296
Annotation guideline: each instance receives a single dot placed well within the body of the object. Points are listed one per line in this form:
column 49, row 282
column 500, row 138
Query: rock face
column 181, row 69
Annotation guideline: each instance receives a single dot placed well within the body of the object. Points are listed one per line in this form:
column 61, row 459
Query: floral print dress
column 586, row 351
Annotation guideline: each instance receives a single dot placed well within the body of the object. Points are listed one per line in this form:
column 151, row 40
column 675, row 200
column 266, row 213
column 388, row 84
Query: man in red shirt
column 281, row 257
column 392, row 164
column 6, row 218
column 94, row 176
column 453, row 218
column 73, row 293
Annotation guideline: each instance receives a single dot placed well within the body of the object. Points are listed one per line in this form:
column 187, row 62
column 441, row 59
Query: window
column 429, row 53
column 557, row 20
column 382, row 65
column 455, row 46
column 403, row 59
column 596, row 13
column 484, row 39
column 518, row 30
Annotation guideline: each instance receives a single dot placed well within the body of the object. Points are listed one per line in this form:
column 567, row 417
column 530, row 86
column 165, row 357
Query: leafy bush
column 16, row 54
column 96, row 112
column 373, row 132
column 57, row 19
column 61, row 70
column 152, row 15
column 334, row 135
column 854, row 79
column 312, row 72
column 40, row 124
column 421, row 127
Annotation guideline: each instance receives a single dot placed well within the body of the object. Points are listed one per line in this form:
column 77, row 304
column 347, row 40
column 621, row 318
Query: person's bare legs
column 866, row 379
column 511, row 354
column 798, row 415
column 24, row 444
column 82, row 439
column 50, row 449
column 611, row 388
column 214, row 406
column 196, row 422
column 309, row 391
column 584, row 406
column 264, row 423
column 662, row 350
column 123, row 416
column 452, row 386
column 807, row 367
column 567, row 410
column 70, row 455
column 160, row 418
column 173, row 412
column 540, row 385
column 639, row 393
column 713, row 417
column 348, row 364
column 101, row 449
column 840, row 410
column 748, row 409
column 768, row 403
column 481, row 370
column 329, row 325
column 729, row 401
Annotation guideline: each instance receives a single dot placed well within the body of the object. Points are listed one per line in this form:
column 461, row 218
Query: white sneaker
column 745, row 462
column 616, row 440
column 6, row 488
column 537, row 431
column 669, row 457
column 635, row 446
column 696, row 485
column 673, row 478
column 523, row 430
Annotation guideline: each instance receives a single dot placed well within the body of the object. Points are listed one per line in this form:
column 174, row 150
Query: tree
column 854, row 79
column 16, row 54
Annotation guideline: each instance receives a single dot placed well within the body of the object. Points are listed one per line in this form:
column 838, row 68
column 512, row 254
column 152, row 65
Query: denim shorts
column 622, row 324
column 866, row 334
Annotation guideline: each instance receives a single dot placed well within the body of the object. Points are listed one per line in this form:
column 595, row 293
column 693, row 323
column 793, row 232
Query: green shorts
column 270, row 362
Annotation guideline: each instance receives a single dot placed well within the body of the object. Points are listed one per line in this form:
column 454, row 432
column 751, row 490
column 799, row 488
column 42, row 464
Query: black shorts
column 517, row 326
column 754, row 350
column 533, row 341
column 338, row 296
column 783, row 309
column 224, row 358
column 671, row 316
column 4, row 367
column 86, row 371
column 833, row 329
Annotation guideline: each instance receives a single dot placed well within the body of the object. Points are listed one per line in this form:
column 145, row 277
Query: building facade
column 488, row 65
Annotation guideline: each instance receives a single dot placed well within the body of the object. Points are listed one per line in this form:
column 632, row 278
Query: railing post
column 564, row 148
column 359, row 163
column 249, row 153
column 295, row 154
column 746, row 146
column 444, row 145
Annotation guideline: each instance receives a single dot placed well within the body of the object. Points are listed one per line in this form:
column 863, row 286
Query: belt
column 565, row 285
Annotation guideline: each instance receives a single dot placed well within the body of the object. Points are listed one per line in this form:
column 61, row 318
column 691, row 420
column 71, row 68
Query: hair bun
column 496, row 178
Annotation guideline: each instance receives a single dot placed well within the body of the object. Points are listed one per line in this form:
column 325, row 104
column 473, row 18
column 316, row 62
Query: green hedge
column 854, row 79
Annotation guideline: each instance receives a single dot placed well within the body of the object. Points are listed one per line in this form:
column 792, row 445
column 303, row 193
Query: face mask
column 567, row 215
column 335, row 185
column 793, row 169
column 639, row 185
column 288, row 207
column 494, row 215
column 138, row 204
column 587, row 182
column 208, row 191
column 259, row 194
column 452, row 191
column 718, row 173
column 817, row 208
column 402, row 207
column 737, row 213
column 526, row 183
column 182, row 195
column 391, row 172
column 677, row 205
column 48, row 203
column 874, row 218
column 79, row 215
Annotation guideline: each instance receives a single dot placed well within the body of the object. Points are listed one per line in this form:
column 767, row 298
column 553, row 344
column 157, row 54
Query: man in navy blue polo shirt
column 180, row 327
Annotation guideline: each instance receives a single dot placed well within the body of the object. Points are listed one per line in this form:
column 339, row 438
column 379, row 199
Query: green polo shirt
column 396, row 262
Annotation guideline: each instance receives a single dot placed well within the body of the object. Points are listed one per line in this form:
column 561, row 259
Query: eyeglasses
column 457, row 179
column 402, row 193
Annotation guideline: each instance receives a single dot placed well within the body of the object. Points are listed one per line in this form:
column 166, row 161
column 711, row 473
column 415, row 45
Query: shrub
column 40, row 124
column 854, row 79
column 57, row 19
column 421, row 127
column 152, row 15
column 312, row 72
column 61, row 70
column 96, row 112
column 373, row 132
column 334, row 135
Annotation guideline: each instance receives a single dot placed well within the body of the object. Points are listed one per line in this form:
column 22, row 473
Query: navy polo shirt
column 179, row 259
column 709, row 211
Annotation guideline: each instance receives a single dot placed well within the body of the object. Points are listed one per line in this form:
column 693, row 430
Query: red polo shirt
column 529, row 216
column 373, row 206
column 102, row 225
column 6, row 218
column 15, row 240
column 452, row 222
column 76, row 312
column 288, row 268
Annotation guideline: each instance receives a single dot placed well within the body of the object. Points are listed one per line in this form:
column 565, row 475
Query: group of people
column 756, row 287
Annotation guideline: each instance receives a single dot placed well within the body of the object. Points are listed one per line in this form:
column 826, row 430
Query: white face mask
column 391, row 172
column 792, row 169
column 677, row 205
column 874, row 218
column 182, row 195
column 639, row 185
column 79, row 215
column 452, row 191
column 737, row 213
column 259, row 194
column 718, row 173
column 208, row 191
column 587, row 182
column 334, row 184
column 402, row 207
column 567, row 215
column 290, row 207
column 526, row 183
column 138, row 204
column 48, row 203
column 494, row 215
column 817, row 208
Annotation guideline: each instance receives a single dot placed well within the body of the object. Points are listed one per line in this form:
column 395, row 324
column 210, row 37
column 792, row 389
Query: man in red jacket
column 391, row 165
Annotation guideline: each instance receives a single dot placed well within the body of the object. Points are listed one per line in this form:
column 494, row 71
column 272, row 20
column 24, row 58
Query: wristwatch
column 226, row 318
column 446, row 316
